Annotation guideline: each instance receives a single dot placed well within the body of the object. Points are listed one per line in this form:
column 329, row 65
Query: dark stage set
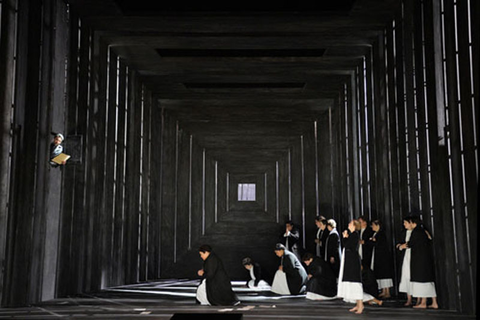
column 133, row 132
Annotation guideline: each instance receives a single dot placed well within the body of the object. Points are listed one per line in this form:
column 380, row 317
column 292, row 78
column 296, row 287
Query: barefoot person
column 422, row 274
column 405, row 285
column 215, row 288
column 350, row 286
column 382, row 262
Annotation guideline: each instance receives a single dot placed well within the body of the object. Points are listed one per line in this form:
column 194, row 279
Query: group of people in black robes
column 358, row 266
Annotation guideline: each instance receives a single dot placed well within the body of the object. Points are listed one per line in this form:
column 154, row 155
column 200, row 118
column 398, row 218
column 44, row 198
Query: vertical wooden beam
column 216, row 191
column 393, row 220
column 203, row 189
column 65, row 278
column 381, row 132
column 133, row 177
column 120, row 182
column 441, row 226
column 109, row 181
column 352, row 87
column 370, row 135
column 317, row 196
column 55, row 104
column 277, row 191
column 468, row 113
column 145, row 207
column 456, row 166
column 362, row 137
column 473, row 219
column 190, row 196
column 7, row 53
column 154, row 244
column 400, row 106
column 411, row 107
column 98, row 165
column 168, row 190
column 175, row 212
column 22, row 197
column 302, row 164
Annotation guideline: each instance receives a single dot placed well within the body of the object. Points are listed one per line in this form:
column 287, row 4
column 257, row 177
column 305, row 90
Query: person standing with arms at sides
column 422, row 271
column 291, row 277
column 350, row 286
column 405, row 285
column 215, row 288
column 322, row 235
column 365, row 248
column 322, row 283
column 382, row 262
column 332, row 247
column 290, row 238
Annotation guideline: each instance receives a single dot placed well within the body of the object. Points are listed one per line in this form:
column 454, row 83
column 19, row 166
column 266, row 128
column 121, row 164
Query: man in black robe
column 295, row 273
column 290, row 238
column 215, row 281
column 366, row 247
column 321, row 279
column 321, row 236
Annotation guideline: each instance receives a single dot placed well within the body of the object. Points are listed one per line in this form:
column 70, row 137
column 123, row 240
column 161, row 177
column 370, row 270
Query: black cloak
column 219, row 287
column 383, row 262
column 323, row 280
column 293, row 239
column 260, row 274
column 333, row 250
column 369, row 282
column 296, row 275
column 367, row 246
column 323, row 238
column 352, row 266
column 421, row 263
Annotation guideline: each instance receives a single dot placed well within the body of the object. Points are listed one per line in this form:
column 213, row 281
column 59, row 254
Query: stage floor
column 163, row 299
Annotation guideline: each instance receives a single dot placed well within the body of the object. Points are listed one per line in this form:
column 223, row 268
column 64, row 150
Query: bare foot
column 420, row 306
column 359, row 310
column 408, row 304
column 379, row 302
column 353, row 309
column 433, row 306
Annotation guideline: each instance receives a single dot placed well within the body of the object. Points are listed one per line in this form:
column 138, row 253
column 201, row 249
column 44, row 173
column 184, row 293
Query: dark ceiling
column 244, row 75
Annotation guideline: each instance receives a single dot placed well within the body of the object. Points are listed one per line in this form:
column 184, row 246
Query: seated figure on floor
column 257, row 280
column 291, row 276
column 215, row 288
column 322, row 283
